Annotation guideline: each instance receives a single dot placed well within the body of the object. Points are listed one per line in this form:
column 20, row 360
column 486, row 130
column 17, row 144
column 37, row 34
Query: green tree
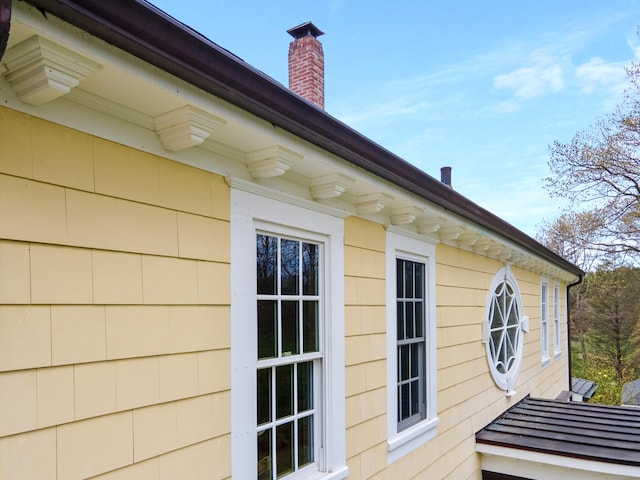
column 614, row 296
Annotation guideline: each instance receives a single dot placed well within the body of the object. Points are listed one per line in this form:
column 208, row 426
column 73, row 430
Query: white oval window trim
column 504, row 332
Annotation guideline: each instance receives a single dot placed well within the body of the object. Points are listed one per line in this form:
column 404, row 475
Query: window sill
column 546, row 361
column 411, row 438
column 557, row 354
column 339, row 474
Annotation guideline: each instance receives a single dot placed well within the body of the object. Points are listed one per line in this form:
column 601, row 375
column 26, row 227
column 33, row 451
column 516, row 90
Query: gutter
column 5, row 25
column 148, row 33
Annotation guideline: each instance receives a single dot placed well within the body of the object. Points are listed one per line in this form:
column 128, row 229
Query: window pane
column 419, row 280
column 264, row 455
column 290, row 267
column 305, row 441
column 403, row 362
column 496, row 317
column 309, row 269
column 415, row 397
column 284, row 449
column 264, row 395
column 310, row 326
column 408, row 320
column 419, row 313
column 399, row 278
column 400, row 320
column 513, row 313
column 305, row 386
column 408, row 280
column 267, row 328
column 404, row 401
column 267, row 261
column 415, row 359
column 290, row 323
column 284, row 391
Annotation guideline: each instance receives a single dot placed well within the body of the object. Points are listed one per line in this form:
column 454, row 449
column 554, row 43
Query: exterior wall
column 365, row 347
column 550, row 379
column 115, row 323
column 114, row 310
column 467, row 396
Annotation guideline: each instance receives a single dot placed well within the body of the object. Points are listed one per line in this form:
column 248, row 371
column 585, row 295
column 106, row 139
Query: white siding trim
column 526, row 464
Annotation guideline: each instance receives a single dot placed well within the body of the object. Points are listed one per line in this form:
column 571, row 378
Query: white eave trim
column 505, row 453
column 251, row 187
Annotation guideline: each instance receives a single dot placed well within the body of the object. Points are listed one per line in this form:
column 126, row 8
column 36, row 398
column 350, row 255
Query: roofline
column 5, row 24
column 150, row 34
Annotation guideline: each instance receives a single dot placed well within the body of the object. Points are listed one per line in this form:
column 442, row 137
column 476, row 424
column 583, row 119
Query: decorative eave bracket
column 271, row 161
column 372, row 203
column 185, row 127
column 330, row 186
column 405, row 215
column 39, row 70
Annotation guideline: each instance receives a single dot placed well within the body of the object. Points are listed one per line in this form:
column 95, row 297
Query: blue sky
column 482, row 86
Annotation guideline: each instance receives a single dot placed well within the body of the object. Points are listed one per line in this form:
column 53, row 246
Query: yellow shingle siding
column 114, row 309
column 115, row 322
column 467, row 397
column 365, row 346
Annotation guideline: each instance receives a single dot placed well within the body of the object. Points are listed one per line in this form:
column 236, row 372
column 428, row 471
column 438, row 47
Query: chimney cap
column 304, row 29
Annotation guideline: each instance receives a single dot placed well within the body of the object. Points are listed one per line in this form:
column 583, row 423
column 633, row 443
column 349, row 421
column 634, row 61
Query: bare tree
column 599, row 173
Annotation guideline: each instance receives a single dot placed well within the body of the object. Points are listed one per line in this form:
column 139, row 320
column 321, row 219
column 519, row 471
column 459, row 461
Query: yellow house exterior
column 130, row 201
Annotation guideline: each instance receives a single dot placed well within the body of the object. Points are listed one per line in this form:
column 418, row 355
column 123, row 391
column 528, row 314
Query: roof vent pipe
column 445, row 176
column 306, row 63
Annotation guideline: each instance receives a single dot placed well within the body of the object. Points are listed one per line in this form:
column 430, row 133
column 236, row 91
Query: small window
column 411, row 348
column 557, row 349
column 410, row 337
column 503, row 333
column 544, row 321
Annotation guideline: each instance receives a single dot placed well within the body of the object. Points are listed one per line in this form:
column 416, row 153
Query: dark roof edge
column 5, row 24
column 145, row 31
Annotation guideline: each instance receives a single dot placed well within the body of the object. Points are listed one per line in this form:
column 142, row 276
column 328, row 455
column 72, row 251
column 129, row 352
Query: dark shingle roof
column 583, row 387
column 572, row 429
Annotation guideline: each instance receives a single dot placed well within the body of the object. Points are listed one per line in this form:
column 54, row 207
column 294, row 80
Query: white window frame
column 544, row 321
column 252, row 212
column 399, row 443
column 557, row 344
column 505, row 381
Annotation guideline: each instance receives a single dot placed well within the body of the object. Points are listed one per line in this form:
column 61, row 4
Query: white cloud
column 596, row 74
column 542, row 76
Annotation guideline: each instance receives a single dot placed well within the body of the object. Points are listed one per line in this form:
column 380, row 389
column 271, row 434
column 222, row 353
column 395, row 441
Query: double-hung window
column 557, row 349
column 289, row 355
column 410, row 337
column 287, row 339
column 411, row 369
column 544, row 320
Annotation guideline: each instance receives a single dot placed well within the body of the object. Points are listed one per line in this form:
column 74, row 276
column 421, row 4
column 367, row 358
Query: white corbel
column 39, row 70
column 185, row 127
column 271, row 161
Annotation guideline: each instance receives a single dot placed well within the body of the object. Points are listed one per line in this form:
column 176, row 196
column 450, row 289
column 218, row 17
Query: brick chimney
column 306, row 63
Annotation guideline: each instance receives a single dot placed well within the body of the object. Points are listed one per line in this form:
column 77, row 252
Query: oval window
column 504, row 336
